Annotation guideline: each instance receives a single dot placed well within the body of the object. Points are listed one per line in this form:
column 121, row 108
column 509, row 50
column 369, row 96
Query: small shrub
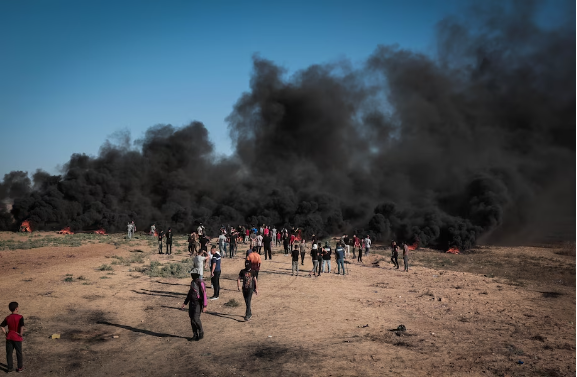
column 69, row 279
column 105, row 267
column 232, row 303
column 81, row 277
column 104, row 277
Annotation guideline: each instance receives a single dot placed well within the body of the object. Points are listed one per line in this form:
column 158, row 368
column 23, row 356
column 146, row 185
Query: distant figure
column 314, row 257
column 192, row 243
column 278, row 237
column 200, row 230
column 267, row 242
column 358, row 246
column 215, row 272
column 259, row 239
column 368, row 243
column 133, row 228
column 222, row 243
column 249, row 282
column 232, row 242
column 152, row 229
column 204, row 240
column 340, row 256
column 327, row 251
column 295, row 260
column 319, row 258
column 285, row 242
column 15, row 324
column 395, row 255
column 405, row 256
column 254, row 258
column 160, row 236
column 169, row 241
column 346, row 241
column 302, row 247
column 196, row 298
column 130, row 227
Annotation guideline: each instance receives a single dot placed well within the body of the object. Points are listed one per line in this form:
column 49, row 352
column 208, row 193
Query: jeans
column 159, row 247
column 327, row 262
column 354, row 256
column 303, row 258
column 167, row 246
column 367, row 249
column 360, row 258
column 341, row 265
column 347, row 250
column 395, row 261
column 12, row 345
column 406, row 262
column 232, row 250
column 221, row 249
column 215, row 281
column 247, row 294
column 320, row 265
column 129, row 234
column 315, row 266
column 295, row 267
column 267, row 252
column 194, row 310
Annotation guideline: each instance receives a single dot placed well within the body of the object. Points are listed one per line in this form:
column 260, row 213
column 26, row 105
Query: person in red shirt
column 15, row 324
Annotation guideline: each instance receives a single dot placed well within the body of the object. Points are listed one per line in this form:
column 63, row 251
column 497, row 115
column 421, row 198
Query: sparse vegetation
column 68, row 279
column 105, row 267
column 169, row 270
column 232, row 303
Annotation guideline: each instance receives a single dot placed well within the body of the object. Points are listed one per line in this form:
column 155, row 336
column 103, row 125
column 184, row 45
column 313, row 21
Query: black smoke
column 478, row 141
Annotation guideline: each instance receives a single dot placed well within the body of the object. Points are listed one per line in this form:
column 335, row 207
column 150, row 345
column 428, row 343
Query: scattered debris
column 55, row 336
column 361, row 327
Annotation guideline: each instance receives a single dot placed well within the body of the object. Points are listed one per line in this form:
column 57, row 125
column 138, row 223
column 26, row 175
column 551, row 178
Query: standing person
column 314, row 257
column 129, row 231
column 196, row 298
column 221, row 243
column 259, row 243
column 133, row 227
column 358, row 246
column 314, row 239
column 192, row 244
column 152, row 229
column 267, row 242
column 200, row 230
column 395, row 255
column 169, row 241
column 327, row 257
column 278, row 237
column 15, row 324
column 160, row 236
column 292, row 240
column 199, row 262
column 367, row 244
column 215, row 272
column 266, row 231
column 273, row 234
column 302, row 247
column 254, row 259
column 261, row 229
column 232, row 243
column 405, row 256
column 319, row 258
column 204, row 240
column 246, row 235
column 295, row 259
column 340, row 256
column 249, row 282
column 352, row 245
column 346, row 246
column 285, row 242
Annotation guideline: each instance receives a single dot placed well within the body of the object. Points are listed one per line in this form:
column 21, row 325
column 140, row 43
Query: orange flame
column 414, row 246
column 100, row 231
column 299, row 236
column 66, row 231
column 25, row 227
column 453, row 250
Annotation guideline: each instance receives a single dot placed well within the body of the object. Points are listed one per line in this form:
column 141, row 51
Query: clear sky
column 74, row 72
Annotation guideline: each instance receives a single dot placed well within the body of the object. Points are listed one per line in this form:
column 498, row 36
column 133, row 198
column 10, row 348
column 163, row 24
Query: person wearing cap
column 249, row 282
column 254, row 259
column 196, row 298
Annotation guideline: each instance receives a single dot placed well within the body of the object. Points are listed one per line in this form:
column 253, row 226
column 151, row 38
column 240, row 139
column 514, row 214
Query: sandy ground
column 462, row 315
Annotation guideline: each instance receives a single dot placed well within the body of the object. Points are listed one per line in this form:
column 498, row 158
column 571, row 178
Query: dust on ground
column 481, row 314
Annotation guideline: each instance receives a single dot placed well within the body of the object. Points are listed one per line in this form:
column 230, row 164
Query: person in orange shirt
column 254, row 259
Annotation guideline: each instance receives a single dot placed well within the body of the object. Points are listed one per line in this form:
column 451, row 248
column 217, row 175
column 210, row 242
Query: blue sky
column 74, row 72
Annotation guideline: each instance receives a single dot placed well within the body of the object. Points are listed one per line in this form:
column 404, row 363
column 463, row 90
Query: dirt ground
column 494, row 312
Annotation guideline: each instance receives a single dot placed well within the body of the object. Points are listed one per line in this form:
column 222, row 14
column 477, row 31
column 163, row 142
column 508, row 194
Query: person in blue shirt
column 340, row 255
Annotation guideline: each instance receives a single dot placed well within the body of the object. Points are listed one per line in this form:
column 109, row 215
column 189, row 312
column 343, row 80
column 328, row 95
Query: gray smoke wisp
column 475, row 143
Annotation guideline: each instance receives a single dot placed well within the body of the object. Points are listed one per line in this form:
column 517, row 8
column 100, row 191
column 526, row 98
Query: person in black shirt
column 285, row 243
column 395, row 255
column 267, row 241
column 327, row 257
column 295, row 258
column 232, row 243
column 314, row 255
column 319, row 258
column 249, row 282
column 204, row 240
column 169, row 241
column 160, row 236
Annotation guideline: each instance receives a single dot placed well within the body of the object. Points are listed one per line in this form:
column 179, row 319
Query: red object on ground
column 25, row 227
column 453, row 250
column 100, row 231
column 66, row 231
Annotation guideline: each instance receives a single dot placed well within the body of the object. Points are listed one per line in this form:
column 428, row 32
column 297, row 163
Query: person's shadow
column 4, row 367
column 141, row 331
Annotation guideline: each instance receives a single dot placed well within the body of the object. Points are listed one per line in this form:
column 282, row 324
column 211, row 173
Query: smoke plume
column 478, row 141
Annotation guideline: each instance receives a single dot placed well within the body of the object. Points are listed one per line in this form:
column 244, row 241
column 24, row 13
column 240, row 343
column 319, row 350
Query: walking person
column 267, row 242
column 221, row 243
column 192, row 244
column 129, row 231
column 254, row 259
column 199, row 262
column 169, row 242
column 160, row 236
column 273, row 234
column 15, row 324
column 405, row 256
column 314, row 256
column 327, row 257
column 368, row 243
column 152, row 229
column 197, row 303
column 295, row 260
column 285, row 242
column 249, row 282
column 395, row 255
column 302, row 247
column 340, row 255
column 345, row 243
column 360, row 248
column 259, row 242
column 215, row 272
column 232, row 243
